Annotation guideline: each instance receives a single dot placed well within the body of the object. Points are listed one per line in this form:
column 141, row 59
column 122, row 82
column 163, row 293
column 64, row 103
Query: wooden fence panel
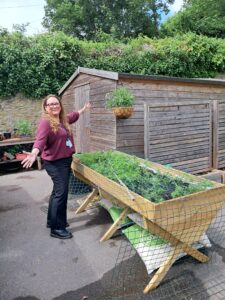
column 179, row 134
column 220, row 142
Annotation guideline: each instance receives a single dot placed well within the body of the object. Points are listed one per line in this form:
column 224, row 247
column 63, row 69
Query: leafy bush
column 204, row 17
column 23, row 127
column 120, row 97
column 40, row 65
column 50, row 60
column 12, row 63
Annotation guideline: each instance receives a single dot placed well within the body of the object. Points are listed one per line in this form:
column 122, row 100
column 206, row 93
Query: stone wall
column 18, row 108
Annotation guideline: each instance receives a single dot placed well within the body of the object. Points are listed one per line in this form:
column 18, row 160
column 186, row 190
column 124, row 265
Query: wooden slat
column 83, row 126
column 133, row 143
column 182, row 134
column 191, row 142
column 178, row 135
column 177, row 88
column 177, row 158
column 201, row 123
column 129, row 129
column 156, row 131
column 219, row 135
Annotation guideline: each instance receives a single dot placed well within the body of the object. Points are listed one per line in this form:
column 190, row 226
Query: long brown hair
column 54, row 123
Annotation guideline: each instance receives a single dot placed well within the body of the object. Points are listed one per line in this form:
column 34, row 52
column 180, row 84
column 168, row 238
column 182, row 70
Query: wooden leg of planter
column 145, row 223
column 179, row 247
column 155, row 229
column 113, row 228
column 164, row 268
column 87, row 201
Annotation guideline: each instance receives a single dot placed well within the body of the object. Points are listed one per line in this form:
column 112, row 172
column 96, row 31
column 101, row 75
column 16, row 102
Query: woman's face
column 53, row 106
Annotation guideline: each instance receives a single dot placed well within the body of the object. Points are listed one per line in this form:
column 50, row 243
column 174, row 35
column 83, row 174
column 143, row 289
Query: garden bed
column 173, row 205
column 197, row 199
column 143, row 177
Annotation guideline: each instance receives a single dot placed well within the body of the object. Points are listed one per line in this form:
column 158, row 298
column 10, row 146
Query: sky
column 32, row 12
column 22, row 12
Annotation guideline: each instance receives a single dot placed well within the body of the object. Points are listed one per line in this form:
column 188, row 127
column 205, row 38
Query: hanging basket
column 122, row 112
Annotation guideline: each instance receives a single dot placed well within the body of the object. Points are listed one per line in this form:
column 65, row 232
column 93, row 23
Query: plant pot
column 7, row 135
column 24, row 136
column 122, row 112
column 21, row 156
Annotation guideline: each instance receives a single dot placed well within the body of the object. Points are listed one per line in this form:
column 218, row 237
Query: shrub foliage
column 41, row 64
column 119, row 97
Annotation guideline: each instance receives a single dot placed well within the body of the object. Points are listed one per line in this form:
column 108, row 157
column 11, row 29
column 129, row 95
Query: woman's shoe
column 61, row 234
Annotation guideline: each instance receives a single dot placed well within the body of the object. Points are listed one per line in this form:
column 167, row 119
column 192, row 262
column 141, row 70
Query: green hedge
column 36, row 66
column 39, row 65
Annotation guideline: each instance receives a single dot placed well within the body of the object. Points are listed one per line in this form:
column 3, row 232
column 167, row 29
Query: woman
column 54, row 141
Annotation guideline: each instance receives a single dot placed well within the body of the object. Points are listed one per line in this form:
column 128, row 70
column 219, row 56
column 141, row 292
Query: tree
column 119, row 18
column 20, row 27
column 3, row 31
column 205, row 17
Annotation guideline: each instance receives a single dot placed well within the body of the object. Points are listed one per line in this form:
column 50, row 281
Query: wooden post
column 215, row 138
column 113, row 228
column 163, row 269
column 157, row 230
column 87, row 201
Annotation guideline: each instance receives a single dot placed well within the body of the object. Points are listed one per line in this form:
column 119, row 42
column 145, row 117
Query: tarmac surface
column 35, row 266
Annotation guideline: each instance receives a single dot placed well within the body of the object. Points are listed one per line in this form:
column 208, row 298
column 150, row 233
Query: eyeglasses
column 52, row 104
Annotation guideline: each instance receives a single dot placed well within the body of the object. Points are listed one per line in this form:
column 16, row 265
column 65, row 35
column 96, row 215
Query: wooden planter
column 180, row 221
column 123, row 112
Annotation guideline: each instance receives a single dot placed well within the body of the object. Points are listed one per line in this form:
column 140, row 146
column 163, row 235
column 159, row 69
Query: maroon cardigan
column 53, row 145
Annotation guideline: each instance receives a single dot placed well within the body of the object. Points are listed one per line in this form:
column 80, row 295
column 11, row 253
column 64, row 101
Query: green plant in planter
column 156, row 186
column 120, row 101
column 24, row 128
column 120, row 97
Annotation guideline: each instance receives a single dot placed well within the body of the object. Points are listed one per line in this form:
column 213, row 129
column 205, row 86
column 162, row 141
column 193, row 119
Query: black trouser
column 59, row 171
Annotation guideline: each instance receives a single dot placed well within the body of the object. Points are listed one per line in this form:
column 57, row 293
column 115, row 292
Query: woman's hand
column 86, row 107
column 29, row 160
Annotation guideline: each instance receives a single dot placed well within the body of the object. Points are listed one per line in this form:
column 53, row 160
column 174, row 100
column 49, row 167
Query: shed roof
column 116, row 76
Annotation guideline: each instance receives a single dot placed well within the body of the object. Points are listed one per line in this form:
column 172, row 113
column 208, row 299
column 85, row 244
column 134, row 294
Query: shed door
column 179, row 134
column 82, row 140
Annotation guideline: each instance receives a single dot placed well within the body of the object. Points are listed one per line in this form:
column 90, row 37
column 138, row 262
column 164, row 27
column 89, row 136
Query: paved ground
column 34, row 266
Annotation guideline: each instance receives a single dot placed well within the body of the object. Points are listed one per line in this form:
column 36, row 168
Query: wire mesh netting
column 172, row 225
column 77, row 187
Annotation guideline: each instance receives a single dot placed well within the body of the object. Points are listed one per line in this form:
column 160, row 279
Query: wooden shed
column 176, row 121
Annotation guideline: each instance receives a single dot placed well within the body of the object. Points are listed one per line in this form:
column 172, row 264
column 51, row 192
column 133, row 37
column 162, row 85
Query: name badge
column 69, row 143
